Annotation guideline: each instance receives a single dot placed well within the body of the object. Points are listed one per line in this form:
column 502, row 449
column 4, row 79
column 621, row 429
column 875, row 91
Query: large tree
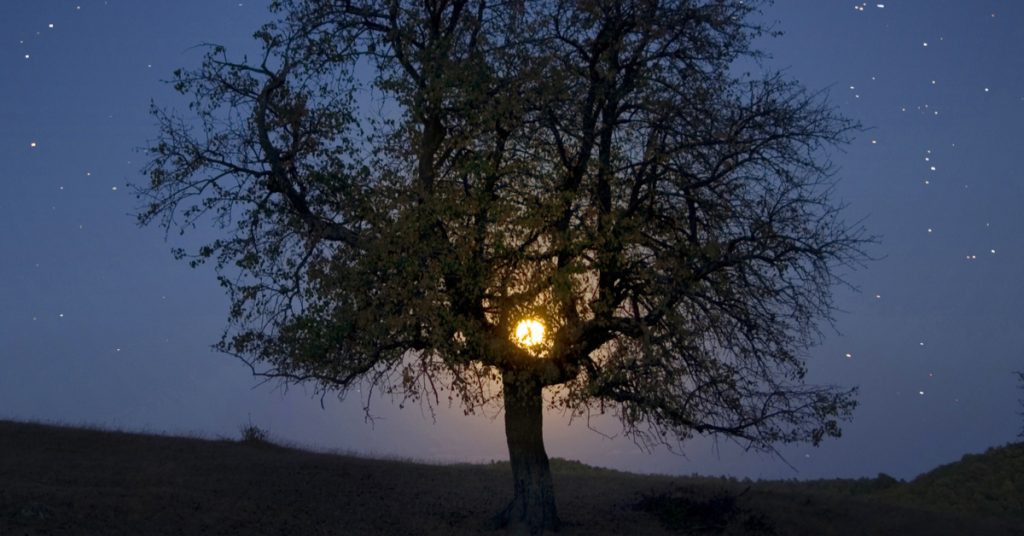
column 400, row 184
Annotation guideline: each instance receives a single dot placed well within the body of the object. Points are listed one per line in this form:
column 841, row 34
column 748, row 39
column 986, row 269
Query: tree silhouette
column 399, row 184
column 1020, row 376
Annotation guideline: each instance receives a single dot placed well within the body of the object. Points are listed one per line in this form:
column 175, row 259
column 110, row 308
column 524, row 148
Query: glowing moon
column 529, row 333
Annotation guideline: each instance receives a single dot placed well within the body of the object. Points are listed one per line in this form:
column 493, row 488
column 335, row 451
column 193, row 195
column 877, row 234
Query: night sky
column 100, row 325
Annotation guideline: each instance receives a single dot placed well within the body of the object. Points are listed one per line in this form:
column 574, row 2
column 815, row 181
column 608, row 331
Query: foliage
column 991, row 482
column 1020, row 376
column 250, row 433
column 398, row 183
column 704, row 511
column 837, row 486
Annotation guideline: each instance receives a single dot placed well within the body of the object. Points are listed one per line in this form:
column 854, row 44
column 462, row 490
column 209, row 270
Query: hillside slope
column 991, row 482
column 58, row 480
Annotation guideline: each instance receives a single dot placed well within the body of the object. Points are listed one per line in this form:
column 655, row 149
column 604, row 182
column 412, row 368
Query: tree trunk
column 532, row 510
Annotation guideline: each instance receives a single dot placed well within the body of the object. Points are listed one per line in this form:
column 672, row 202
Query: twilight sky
column 99, row 325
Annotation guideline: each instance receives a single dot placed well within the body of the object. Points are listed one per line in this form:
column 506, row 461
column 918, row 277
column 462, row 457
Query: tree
column 399, row 184
column 1020, row 376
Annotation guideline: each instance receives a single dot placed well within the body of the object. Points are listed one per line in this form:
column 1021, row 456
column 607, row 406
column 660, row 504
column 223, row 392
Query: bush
column 705, row 512
column 253, row 434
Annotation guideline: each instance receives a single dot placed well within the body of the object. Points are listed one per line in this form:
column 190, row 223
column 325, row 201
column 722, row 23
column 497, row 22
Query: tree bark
column 532, row 510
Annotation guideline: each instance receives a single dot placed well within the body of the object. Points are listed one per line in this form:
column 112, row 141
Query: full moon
column 529, row 333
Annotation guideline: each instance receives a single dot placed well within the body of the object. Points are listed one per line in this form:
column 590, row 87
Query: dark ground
column 59, row 480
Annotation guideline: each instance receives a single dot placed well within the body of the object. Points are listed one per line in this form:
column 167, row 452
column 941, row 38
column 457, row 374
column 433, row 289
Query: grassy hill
column 59, row 480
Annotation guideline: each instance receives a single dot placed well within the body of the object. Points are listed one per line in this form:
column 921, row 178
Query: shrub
column 253, row 434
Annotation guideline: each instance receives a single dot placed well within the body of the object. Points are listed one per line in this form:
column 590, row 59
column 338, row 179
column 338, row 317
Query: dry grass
column 56, row 480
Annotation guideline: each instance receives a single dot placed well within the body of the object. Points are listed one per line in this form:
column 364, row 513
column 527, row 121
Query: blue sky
column 99, row 325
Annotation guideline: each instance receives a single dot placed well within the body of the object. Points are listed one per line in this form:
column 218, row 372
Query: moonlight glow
column 529, row 333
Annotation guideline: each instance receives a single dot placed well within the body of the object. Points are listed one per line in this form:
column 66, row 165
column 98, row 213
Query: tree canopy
column 399, row 183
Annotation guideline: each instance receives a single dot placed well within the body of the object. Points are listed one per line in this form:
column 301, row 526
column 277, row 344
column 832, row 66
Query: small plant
column 253, row 434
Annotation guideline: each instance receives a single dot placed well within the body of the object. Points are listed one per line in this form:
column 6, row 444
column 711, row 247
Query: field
column 61, row 480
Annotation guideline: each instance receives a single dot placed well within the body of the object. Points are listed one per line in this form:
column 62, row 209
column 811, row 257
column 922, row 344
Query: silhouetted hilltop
column 991, row 483
column 62, row 480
